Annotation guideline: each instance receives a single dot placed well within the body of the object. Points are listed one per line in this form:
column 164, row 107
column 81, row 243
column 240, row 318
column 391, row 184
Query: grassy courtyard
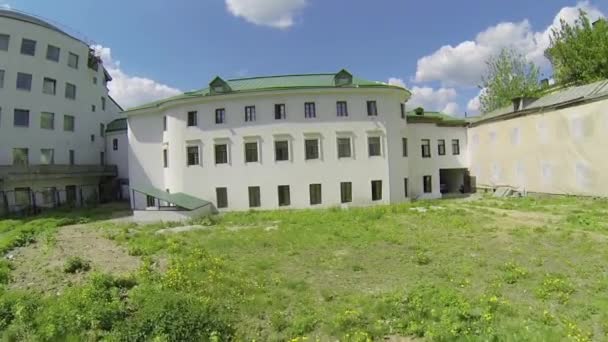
column 484, row 269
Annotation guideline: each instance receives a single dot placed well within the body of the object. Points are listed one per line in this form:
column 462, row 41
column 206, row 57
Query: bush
column 76, row 264
column 165, row 315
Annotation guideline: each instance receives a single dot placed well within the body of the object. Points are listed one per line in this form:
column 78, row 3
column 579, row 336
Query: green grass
column 494, row 269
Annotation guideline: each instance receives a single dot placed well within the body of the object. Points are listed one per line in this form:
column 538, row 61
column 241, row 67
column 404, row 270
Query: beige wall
column 559, row 151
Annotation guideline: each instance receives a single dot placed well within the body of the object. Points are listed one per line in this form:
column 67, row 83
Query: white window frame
column 319, row 138
column 195, row 143
column 351, row 138
column 257, row 141
column 283, row 137
column 227, row 142
column 380, row 136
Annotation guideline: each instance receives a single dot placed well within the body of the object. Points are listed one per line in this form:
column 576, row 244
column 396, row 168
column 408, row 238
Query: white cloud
column 464, row 64
column 274, row 13
column 130, row 91
column 474, row 105
column 430, row 99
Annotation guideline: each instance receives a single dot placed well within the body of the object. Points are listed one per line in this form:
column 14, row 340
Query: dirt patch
column 39, row 267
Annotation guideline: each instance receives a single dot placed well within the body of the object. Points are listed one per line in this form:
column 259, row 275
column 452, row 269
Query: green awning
column 179, row 199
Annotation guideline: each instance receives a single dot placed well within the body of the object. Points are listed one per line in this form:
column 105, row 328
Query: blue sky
column 436, row 48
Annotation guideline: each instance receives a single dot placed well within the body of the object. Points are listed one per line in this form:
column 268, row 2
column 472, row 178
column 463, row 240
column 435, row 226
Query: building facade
column 54, row 107
column 299, row 141
column 552, row 144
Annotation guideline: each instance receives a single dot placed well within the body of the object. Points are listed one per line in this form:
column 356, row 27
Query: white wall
column 146, row 141
column 87, row 94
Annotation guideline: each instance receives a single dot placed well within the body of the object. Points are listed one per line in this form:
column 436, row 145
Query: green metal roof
column 553, row 97
column 267, row 83
column 117, row 125
column 439, row 118
column 179, row 199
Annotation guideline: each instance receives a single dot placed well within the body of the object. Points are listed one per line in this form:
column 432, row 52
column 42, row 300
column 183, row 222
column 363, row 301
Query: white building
column 297, row 141
column 54, row 107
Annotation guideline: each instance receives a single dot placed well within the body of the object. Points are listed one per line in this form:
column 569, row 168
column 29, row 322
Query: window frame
column 310, row 110
column 53, row 82
column 280, row 111
column 72, row 157
column 4, row 47
column 315, row 193
column 224, row 154
column 52, row 120
column 2, row 76
column 68, row 86
column 26, row 112
column 72, row 119
column 455, row 147
column 73, row 60
column 220, row 116
column 426, row 148
column 25, row 156
column 441, row 147
column 372, row 108
column 49, row 48
column 254, row 194
column 402, row 107
column 192, row 119
column 284, row 195
column 221, row 202
column 346, row 196
column 51, row 159
column 250, row 114
column 404, row 147
column 376, row 187
column 342, row 108
column 257, row 151
column 316, row 149
column 166, row 157
column 24, row 77
column 23, row 47
column 115, row 144
column 197, row 155
column 406, row 187
column 350, row 147
column 276, row 150
column 428, row 190
column 369, row 146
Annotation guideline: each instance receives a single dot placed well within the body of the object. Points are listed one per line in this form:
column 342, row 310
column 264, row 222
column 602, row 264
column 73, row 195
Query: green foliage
column 555, row 286
column 579, row 51
column 508, row 76
column 76, row 264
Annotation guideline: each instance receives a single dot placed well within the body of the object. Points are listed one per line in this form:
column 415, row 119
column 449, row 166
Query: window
column 1, row 78
column 102, row 130
column 312, row 148
column 192, row 118
column 21, row 157
column 441, row 147
column 372, row 108
column 284, row 199
column 24, row 81
column 102, row 158
column 193, row 156
column 221, row 195
column 251, row 152
column 72, row 157
column 103, row 103
column 405, row 187
column 164, row 123
column 73, row 60
column 92, row 137
column 403, row 110
column 52, row 53
column 4, row 40
column 342, row 108
column 93, row 108
column 310, row 110
column 344, row 148
column 279, row 111
column 427, row 183
column 254, row 197
column 49, row 86
column 455, row 147
column 22, row 118
column 346, row 192
column 249, row 113
column 68, row 123
column 376, row 190
column 23, row 196
column 374, row 147
column 47, row 156
column 150, row 201
column 48, row 195
column 115, row 144
column 47, row 120
column 94, row 80
column 426, row 148
column 221, row 154
column 220, row 116
column 404, row 146
column 166, row 158
column 281, row 150
column 70, row 91
column 28, row 47
column 315, row 194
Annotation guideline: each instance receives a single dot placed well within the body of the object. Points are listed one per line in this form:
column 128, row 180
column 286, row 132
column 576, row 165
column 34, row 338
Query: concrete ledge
column 151, row 215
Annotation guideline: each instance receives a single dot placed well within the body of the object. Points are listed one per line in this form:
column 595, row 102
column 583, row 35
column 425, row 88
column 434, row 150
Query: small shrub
column 512, row 272
column 421, row 258
column 76, row 264
column 555, row 286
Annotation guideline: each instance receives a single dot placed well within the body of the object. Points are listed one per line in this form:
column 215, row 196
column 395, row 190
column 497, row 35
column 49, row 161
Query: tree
column 579, row 52
column 509, row 75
